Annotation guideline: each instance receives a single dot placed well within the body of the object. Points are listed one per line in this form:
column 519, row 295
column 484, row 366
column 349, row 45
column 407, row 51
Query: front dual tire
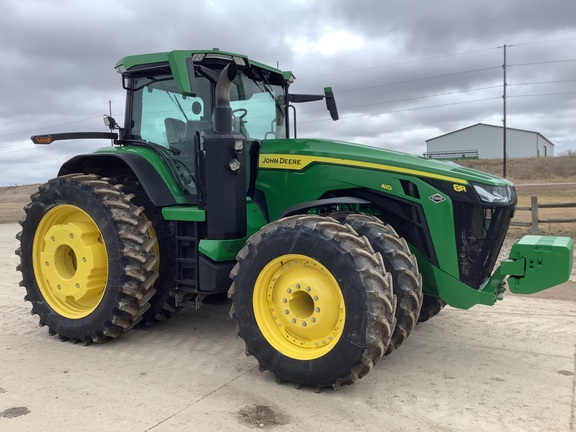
column 313, row 301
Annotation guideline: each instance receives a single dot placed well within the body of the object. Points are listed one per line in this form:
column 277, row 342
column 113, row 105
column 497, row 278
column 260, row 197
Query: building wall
column 488, row 141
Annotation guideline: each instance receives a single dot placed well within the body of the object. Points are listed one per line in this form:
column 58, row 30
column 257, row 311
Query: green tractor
column 331, row 252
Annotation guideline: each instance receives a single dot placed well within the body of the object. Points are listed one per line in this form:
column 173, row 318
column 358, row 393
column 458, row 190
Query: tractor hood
column 298, row 154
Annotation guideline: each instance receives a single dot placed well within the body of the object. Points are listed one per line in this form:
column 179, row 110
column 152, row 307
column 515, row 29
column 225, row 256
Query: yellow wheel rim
column 299, row 307
column 156, row 247
column 70, row 261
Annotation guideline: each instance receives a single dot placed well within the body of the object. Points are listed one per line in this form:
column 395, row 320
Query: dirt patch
column 261, row 416
column 14, row 412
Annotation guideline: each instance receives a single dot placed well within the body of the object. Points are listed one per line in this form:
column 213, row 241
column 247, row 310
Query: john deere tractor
column 330, row 251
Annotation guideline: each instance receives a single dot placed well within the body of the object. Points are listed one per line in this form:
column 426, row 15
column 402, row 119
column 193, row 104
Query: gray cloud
column 396, row 82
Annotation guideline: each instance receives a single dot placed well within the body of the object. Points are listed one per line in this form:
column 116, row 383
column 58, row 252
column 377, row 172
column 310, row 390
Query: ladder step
column 186, row 256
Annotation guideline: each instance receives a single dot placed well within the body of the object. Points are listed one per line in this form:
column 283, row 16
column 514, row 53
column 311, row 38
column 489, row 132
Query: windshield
column 163, row 116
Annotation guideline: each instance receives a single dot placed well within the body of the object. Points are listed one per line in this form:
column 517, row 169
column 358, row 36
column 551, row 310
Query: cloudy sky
column 402, row 71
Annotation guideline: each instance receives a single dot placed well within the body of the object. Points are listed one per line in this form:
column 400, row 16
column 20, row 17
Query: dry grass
column 529, row 170
column 547, row 197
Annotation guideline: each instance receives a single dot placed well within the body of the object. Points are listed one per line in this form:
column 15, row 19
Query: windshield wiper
column 174, row 99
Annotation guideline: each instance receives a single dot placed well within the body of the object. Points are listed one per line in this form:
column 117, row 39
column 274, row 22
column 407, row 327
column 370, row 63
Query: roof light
column 239, row 61
column 198, row 57
column 219, row 56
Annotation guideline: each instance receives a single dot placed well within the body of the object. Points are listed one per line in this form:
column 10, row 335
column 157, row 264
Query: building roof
column 494, row 126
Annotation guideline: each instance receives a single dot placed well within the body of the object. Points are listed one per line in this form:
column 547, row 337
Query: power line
column 410, row 99
column 542, row 82
column 421, row 79
column 542, row 62
column 62, row 112
column 432, row 58
column 399, row 63
column 543, row 42
column 48, row 127
column 543, row 94
column 403, row 110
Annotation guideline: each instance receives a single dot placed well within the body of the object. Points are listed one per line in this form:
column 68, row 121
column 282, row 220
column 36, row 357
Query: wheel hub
column 299, row 306
column 70, row 261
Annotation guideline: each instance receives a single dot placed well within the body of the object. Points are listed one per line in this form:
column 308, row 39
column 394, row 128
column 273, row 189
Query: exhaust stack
column 222, row 109
column 223, row 167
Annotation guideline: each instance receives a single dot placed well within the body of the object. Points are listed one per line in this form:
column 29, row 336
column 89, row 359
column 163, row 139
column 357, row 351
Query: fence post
column 534, row 206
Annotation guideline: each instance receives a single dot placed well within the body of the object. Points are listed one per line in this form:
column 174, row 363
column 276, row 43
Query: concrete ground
column 506, row 368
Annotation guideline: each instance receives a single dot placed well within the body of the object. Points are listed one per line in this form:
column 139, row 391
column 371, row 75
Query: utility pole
column 110, row 113
column 504, row 116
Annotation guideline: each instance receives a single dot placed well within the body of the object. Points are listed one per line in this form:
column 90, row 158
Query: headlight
column 495, row 194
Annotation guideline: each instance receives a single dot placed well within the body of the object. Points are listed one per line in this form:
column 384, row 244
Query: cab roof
column 178, row 58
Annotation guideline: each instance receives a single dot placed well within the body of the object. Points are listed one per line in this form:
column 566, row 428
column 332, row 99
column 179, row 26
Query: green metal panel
column 546, row 261
column 177, row 61
column 184, row 213
column 226, row 250
column 295, row 171
column 449, row 288
column 156, row 161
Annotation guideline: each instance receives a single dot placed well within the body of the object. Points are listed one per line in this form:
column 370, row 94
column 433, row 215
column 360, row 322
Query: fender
column 112, row 164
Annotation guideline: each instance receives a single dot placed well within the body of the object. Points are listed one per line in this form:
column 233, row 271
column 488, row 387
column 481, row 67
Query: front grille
column 480, row 232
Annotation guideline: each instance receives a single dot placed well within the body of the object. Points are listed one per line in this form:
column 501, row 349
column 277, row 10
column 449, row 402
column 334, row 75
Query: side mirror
column 331, row 102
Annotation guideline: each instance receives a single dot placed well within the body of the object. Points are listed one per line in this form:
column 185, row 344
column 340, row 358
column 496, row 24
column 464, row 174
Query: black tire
column 402, row 265
column 431, row 306
column 163, row 304
column 334, row 324
column 81, row 232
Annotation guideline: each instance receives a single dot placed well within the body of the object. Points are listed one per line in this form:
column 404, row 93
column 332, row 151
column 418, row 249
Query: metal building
column 485, row 141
